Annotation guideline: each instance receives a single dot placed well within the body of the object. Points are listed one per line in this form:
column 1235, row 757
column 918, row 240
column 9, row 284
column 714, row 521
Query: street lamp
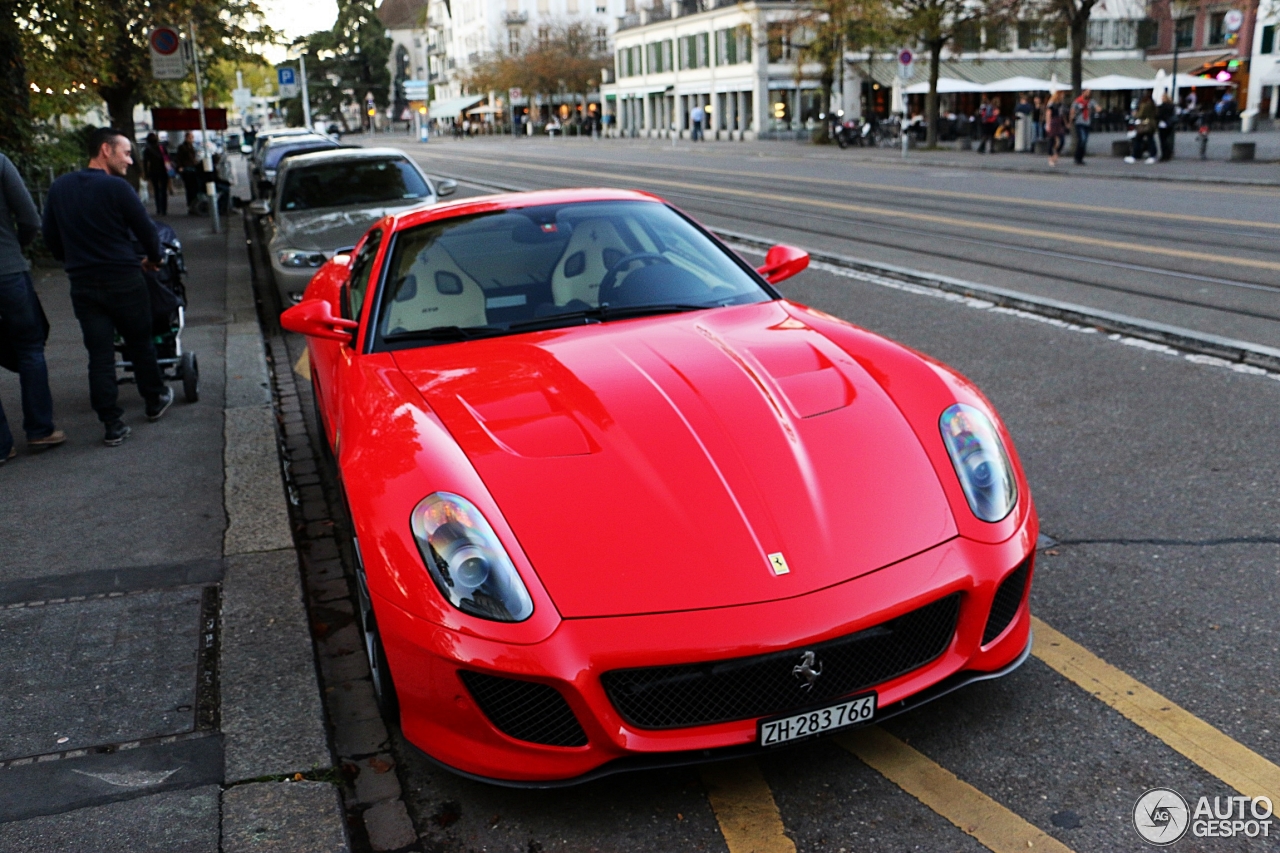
column 1178, row 10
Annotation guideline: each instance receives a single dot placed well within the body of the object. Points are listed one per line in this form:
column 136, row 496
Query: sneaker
column 1130, row 160
column 53, row 439
column 1150, row 161
column 116, row 433
column 156, row 410
column 13, row 451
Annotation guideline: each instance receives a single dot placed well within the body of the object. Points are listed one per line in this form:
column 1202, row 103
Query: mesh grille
column 699, row 694
column 525, row 710
column 1006, row 602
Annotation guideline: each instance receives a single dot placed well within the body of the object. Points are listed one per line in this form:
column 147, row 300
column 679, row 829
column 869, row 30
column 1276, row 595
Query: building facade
column 1263, row 100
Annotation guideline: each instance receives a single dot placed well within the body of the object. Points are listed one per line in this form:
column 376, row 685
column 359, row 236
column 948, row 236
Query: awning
column 450, row 107
column 946, row 86
column 1118, row 83
column 1025, row 84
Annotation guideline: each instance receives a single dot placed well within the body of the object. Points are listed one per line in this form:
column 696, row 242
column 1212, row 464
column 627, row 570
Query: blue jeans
column 1082, row 141
column 21, row 326
column 104, row 307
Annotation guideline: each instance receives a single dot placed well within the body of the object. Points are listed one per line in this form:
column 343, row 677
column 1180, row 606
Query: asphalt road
column 1193, row 255
column 1155, row 473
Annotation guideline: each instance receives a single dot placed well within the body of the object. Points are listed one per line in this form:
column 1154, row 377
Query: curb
column 1189, row 340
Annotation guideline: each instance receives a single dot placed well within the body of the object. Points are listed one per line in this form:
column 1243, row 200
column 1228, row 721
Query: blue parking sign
column 284, row 76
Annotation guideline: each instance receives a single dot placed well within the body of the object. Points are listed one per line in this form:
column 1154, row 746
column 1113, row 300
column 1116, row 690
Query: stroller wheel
column 190, row 377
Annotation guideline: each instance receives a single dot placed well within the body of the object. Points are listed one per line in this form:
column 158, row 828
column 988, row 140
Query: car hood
column 326, row 229
column 664, row 464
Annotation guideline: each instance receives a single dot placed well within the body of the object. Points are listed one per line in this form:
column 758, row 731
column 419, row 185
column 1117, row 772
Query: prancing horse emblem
column 806, row 670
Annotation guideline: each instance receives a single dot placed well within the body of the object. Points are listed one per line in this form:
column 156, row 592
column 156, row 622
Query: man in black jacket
column 89, row 218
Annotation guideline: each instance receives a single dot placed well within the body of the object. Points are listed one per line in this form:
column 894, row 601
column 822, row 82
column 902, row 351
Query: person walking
column 187, row 163
column 696, row 118
column 1055, row 126
column 1166, row 121
column 91, row 218
column 155, row 165
column 988, row 117
column 1082, row 110
column 1037, row 120
column 22, row 324
column 1144, row 143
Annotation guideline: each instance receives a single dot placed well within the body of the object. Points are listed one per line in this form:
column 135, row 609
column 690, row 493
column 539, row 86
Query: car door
column 334, row 359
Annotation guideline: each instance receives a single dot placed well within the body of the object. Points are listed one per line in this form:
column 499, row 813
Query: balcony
column 516, row 19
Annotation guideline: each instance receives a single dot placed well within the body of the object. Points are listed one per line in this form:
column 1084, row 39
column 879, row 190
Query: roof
column 402, row 14
column 345, row 153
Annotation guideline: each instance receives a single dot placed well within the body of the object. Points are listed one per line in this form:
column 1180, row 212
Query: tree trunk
column 15, row 98
column 1079, row 24
column 931, row 99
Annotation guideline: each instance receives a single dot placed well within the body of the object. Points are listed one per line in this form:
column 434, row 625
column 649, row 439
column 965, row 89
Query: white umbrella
column 1117, row 83
column 946, row 86
column 1024, row 84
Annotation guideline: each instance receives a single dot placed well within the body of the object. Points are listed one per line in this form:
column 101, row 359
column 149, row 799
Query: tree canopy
column 347, row 63
column 567, row 57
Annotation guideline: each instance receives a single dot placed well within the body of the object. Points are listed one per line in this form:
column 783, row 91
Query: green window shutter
column 1268, row 38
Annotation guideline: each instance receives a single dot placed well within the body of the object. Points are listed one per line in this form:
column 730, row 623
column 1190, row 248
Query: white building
column 1264, row 70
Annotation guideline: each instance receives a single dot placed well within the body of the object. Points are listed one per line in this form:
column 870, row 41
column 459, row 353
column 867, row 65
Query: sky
column 297, row 18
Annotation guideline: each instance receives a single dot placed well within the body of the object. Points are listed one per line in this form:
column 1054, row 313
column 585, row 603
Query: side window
column 361, row 270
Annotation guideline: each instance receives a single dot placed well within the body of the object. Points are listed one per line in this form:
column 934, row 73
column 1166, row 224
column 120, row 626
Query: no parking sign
column 167, row 59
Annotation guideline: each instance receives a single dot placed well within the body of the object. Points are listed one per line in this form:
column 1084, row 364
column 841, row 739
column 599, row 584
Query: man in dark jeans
column 89, row 218
column 22, row 327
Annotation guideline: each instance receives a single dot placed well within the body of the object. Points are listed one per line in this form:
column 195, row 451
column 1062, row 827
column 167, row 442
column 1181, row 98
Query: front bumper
column 440, row 716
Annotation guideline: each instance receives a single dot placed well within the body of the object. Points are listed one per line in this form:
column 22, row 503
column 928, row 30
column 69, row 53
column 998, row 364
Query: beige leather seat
column 595, row 244
column 436, row 292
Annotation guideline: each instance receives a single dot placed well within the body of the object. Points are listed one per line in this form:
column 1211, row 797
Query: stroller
column 168, row 318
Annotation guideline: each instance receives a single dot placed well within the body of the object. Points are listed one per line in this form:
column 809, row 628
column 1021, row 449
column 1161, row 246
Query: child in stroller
column 168, row 317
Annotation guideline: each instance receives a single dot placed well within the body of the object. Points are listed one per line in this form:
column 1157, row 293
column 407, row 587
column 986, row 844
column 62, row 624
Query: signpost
column 906, row 68
column 287, row 82
column 514, row 94
column 211, row 187
column 167, row 60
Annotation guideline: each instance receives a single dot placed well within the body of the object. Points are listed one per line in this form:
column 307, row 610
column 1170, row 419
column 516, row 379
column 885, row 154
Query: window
column 1217, row 28
column 968, row 36
column 513, row 41
column 780, row 49
column 358, row 181
column 1185, row 31
column 1268, row 38
column 358, row 282
column 1113, row 35
column 544, row 32
column 602, row 39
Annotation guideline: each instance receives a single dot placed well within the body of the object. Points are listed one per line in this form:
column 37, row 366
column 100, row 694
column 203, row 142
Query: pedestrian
column 91, row 218
column 1055, row 126
column 1144, row 144
column 696, row 118
column 988, row 117
column 1166, row 126
column 22, row 324
column 1037, row 120
column 187, row 163
column 1082, row 110
column 155, row 165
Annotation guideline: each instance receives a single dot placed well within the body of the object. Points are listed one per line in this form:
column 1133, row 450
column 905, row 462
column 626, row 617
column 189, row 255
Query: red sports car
column 618, row 504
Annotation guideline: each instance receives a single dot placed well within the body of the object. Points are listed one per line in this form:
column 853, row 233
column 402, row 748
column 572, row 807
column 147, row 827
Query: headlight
column 466, row 560
column 980, row 461
column 299, row 258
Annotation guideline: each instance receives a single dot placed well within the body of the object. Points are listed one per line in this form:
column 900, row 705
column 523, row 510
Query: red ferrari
column 618, row 504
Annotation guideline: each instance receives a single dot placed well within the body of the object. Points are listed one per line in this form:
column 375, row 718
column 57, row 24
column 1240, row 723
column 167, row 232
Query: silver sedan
column 326, row 200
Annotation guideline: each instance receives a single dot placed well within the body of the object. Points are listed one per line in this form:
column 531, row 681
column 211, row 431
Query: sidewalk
column 160, row 682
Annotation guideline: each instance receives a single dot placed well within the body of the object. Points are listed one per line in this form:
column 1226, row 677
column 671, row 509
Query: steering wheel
column 607, row 287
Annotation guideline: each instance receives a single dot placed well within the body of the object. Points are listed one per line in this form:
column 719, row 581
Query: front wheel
column 190, row 377
column 384, row 689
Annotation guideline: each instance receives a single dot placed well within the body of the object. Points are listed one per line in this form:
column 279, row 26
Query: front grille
column 698, row 694
column 1006, row 602
column 525, row 710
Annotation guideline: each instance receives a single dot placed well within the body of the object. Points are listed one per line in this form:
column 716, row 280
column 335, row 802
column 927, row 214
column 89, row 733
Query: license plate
column 857, row 711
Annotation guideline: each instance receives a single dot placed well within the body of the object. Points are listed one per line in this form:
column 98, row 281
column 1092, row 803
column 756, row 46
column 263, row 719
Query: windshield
column 553, row 265
column 351, row 182
column 274, row 154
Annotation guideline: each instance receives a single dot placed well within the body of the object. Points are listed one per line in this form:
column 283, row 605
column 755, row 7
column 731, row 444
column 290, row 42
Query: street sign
column 415, row 90
column 168, row 60
column 905, row 57
column 287, row 82
column 242, row 98
column 906, row 66
column 515, row 93
column 1233, row 20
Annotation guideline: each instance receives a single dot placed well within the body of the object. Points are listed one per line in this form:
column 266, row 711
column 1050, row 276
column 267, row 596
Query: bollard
column 1203, row 142
column 906, row 140
column 1243, row 150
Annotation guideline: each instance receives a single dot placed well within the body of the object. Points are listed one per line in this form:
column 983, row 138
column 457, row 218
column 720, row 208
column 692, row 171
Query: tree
column 347, row 63
column 101, row 45
column 15, row 98
column 934, row 24
column 1075, row 15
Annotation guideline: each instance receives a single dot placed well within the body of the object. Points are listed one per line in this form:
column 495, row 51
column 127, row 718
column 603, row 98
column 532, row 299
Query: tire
column 841, row 140
column 326, row 452
column 190, row 377
column 384, row 689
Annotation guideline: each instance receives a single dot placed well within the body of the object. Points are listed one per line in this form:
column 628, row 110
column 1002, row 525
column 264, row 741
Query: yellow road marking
column 994, row 826
column 1232, row 762
column 744, row 808
column 303, row 365
column 966, row 196
column 896, row 213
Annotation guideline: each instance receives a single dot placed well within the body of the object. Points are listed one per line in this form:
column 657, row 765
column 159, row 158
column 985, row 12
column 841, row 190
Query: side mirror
column 260, row 207
column 314, row 318
column 782, row 262
column 445, row 186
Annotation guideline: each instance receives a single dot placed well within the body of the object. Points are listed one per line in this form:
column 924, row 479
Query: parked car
column 262, row 171
column 616, row 503
column 323, row 201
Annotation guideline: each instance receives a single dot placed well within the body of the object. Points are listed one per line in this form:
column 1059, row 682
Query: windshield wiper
column 442, row 333
column 601, row 314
